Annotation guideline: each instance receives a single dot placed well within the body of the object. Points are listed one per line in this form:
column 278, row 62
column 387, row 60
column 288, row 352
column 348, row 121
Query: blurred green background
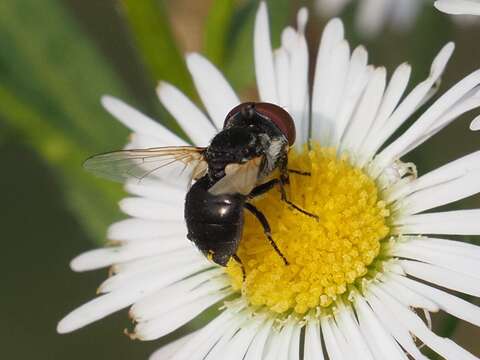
column 57, row 57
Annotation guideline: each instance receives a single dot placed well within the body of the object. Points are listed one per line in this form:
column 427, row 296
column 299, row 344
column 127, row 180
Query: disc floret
column 327, row 258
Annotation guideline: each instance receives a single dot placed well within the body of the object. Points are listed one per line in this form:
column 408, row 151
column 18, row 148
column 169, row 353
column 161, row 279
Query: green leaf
column 57, row 68
column 51, row 82
column 216, row 30
column 92, row 199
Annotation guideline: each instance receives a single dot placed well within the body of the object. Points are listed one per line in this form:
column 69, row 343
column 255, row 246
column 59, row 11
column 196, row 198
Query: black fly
column 233, row 169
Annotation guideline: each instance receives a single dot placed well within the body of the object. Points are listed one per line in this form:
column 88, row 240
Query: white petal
column 382, row 344
column 138, row 228
column 332, row 35
column 168, row 351
column 142, row 141
column 157, row 190
column 402, row 113
column 294, row 349
column 371, row 16
column 406, row 296
column 178, row 294
column 448, row 172
column 335, row 345
column 404, row 14
column 257, row 346
column 240, row 343
column 365, row 115
column 458, row 7
column 442, row 277
column 329, row 105
column 475, row 124
column 461, row 264
column 396, row 87
column 103, row 257
column 412, row 101
column 441, row 194
column 282, row 72
column 459, row 222
column 158, row 275
column 216, row 93
column 469, row 102
column 150, row 209
column 462, row 106
column 223, row 346
column 447, row 302
column 264, row 68
column 449, row 246
column 287, row 347
column 279, row 343
column 330, row 8
column 348, row 325
column 432, row 120
column 100, row 307
column 139, row 122
column 197, row 126
column 168, row 322
column 302, row 19
column 441, row 60
column 355, row 83
column 394, row 327
column 138, row 265
column 445, row 347
column 200, row 344
column 313, row 343
column 298, row 84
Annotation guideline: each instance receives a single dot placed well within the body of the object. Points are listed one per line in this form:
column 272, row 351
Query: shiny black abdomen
column 214, row 222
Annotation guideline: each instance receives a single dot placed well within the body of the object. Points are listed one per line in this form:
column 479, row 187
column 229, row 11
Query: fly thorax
column 235, row 145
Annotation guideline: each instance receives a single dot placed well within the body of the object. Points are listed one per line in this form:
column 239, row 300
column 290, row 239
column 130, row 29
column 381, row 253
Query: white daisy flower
column 358, row 278
column 459, row 7
column 371, row 16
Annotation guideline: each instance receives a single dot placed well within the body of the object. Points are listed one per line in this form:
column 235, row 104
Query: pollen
column 327, row 258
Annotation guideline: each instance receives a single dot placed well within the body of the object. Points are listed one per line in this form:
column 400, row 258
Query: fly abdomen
column 220, row 241
column 214, row 222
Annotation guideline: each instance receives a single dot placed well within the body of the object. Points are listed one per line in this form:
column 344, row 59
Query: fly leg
column 263, row 188
column 298, row 172
column 285, row 180
column 283, row 195
column 266, row 229
column 237, row 259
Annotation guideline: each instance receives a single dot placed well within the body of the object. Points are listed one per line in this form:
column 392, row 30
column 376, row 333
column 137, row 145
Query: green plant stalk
column 91, row 198
column 153, row 36
column 217, row 27
column 56, row 68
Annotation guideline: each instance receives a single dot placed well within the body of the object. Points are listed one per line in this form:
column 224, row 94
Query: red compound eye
column 279, row 117
column 274, row 113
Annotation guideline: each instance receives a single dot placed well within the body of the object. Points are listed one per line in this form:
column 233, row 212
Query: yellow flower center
column 327, row 256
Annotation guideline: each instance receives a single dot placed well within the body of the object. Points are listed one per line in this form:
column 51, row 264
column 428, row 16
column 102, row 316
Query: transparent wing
column 168, row 163
column 239, row 178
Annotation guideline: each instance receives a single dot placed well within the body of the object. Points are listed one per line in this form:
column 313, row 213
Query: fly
column 236, row 167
